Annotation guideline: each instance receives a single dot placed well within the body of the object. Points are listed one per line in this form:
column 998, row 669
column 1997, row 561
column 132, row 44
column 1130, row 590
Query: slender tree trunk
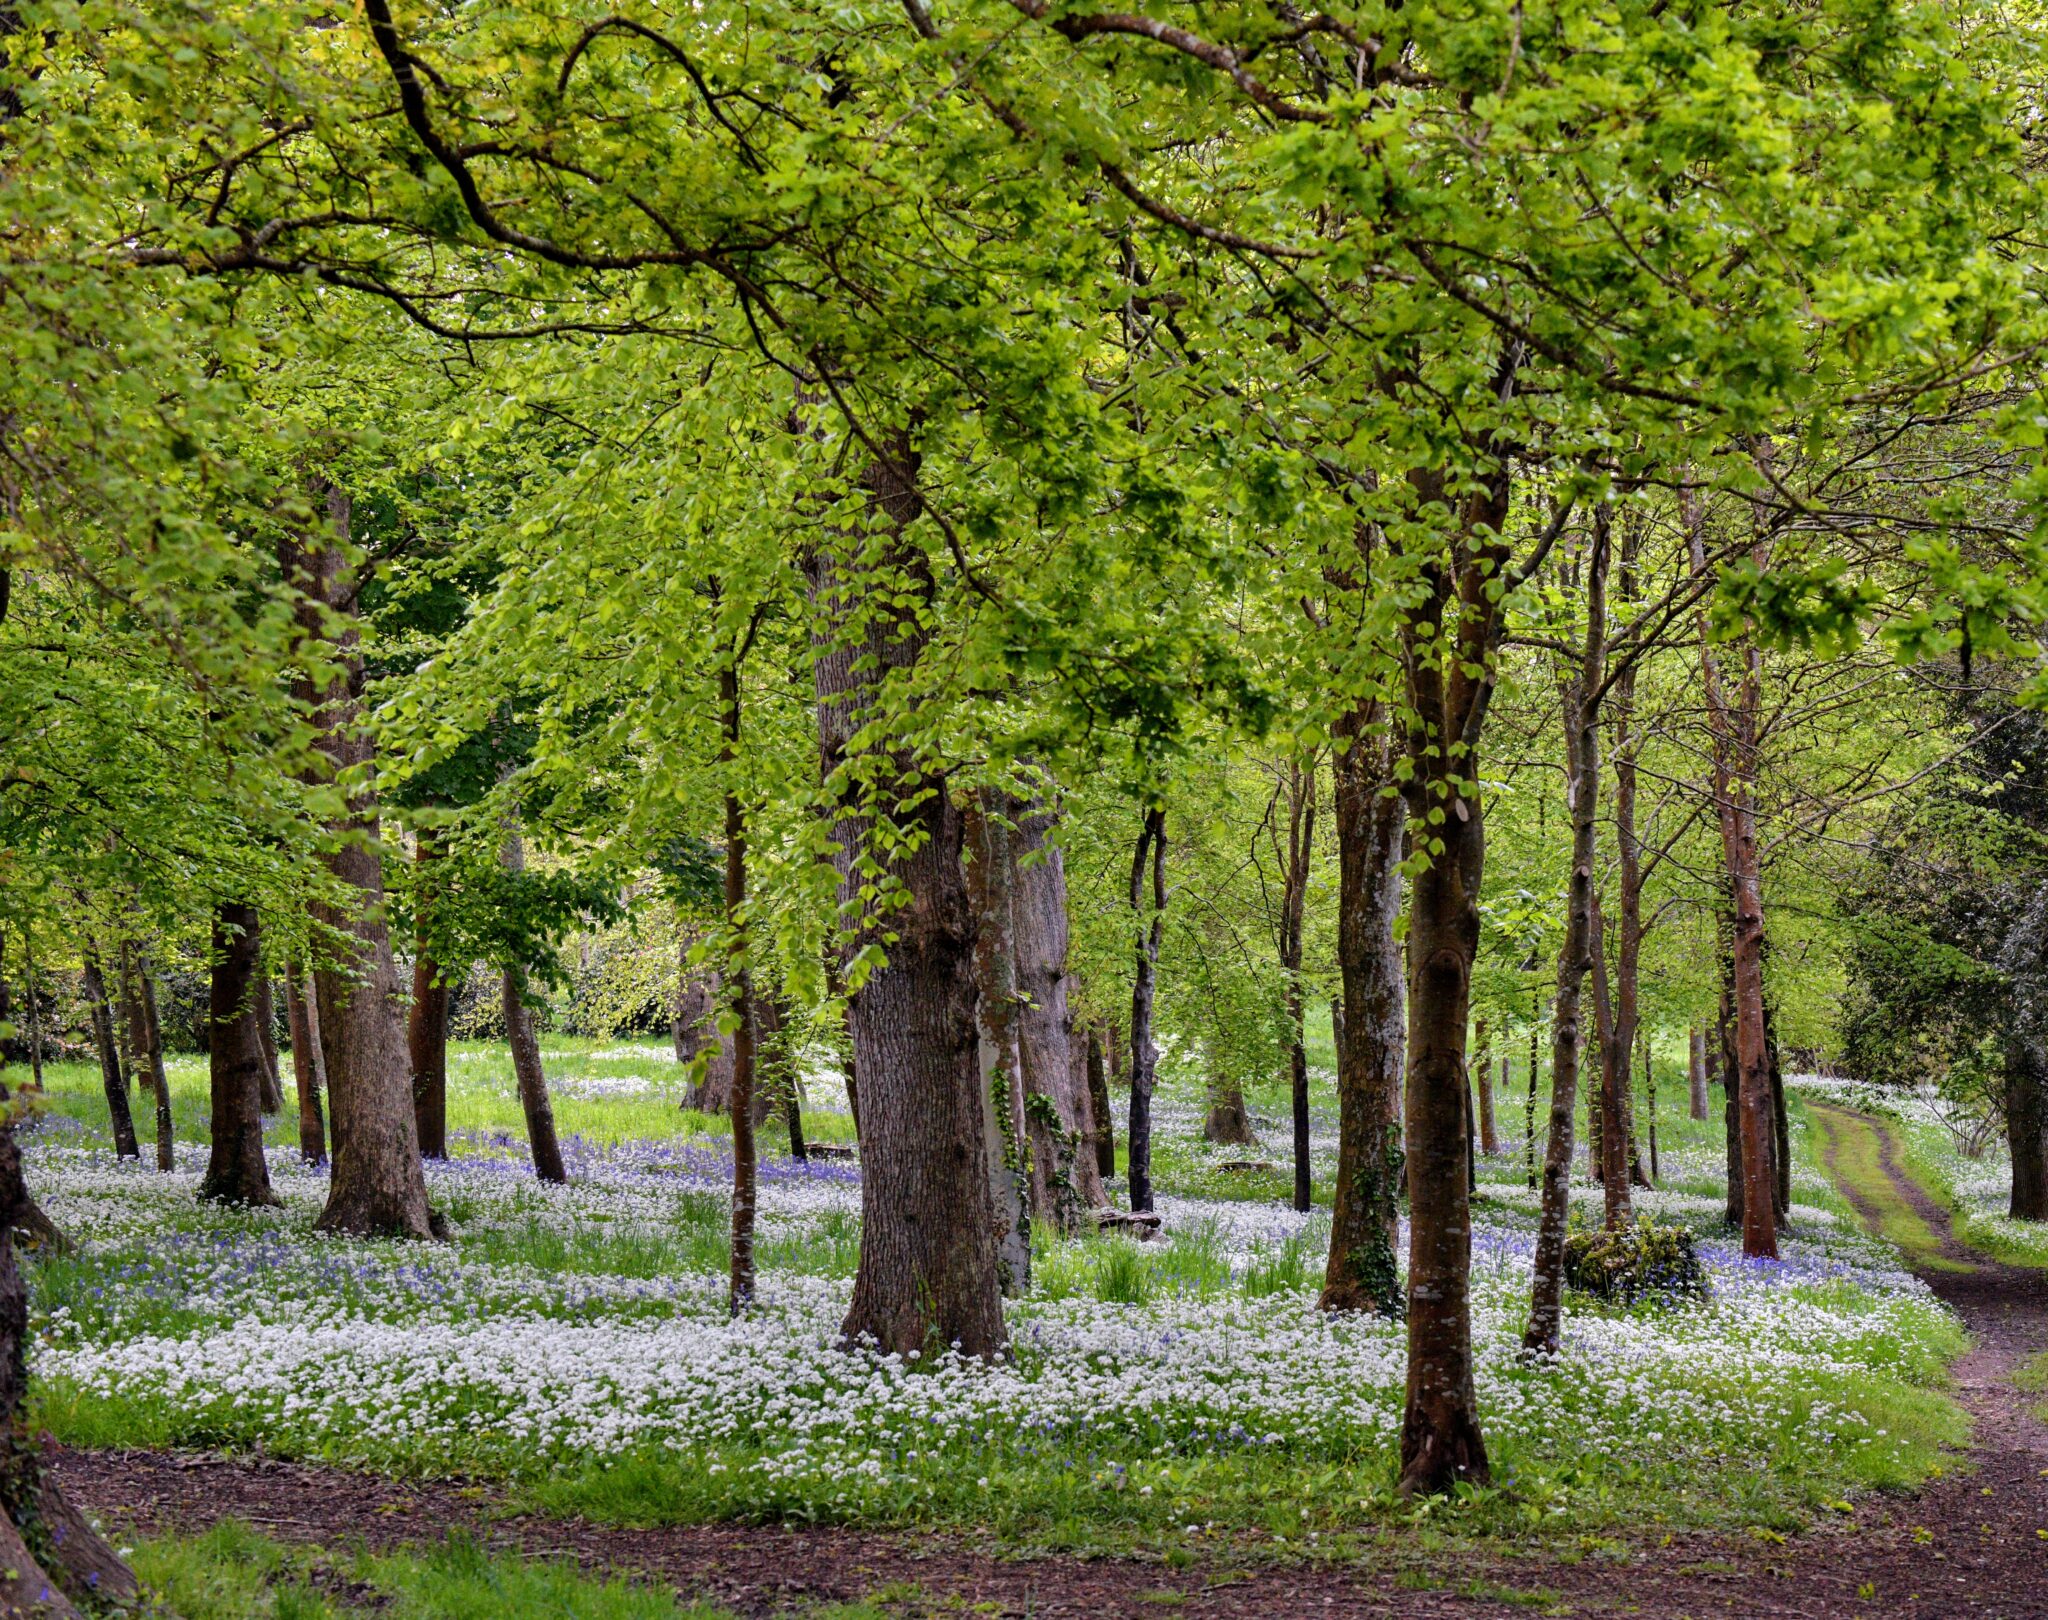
column 1529, row 1105
column 125, row 1145
column 235, row 1170
column 1650, row 1095
column 1300, row 853
column 1482, row 1081
column 1098, row 1101
column 1781, row 1123
column 740, row 978
column 1731, row 1080
column 927, row 1277
column 307, row 1074
column 991, row 873
column 272, row 1094
column 1144, row 1051
column 133, row 1036
column 146, row 1041
column 1696, row 1072
column 1576, row 959
column 377, row 1186
column 2026, row 1129
column 35, row 1008
column 531, row 1077
column 426, row 1023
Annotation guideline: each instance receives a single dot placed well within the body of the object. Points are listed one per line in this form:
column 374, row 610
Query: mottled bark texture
column 1298, row 857
column 111, row 1076
column 53, row 1564
column 1361, row 1273
column 1150, row 925
column 1059, row 1113
column 927, row 1274
column 377, row 1185
column 426, row 1021
column 1449, row 643
column 991, row 871
column 1732, row 732
column 309, row 1073
column 235, row 1168
column 1482, row 1088
column 1575, row 957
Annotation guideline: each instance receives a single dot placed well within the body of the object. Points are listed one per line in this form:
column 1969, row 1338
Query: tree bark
column 990, row 874
column 1144, row 981
column 1228, row 1122
column 1301, row 843
column 1731, row 1083
column 235, row 1169
column 308, row 1075
column 1482, row 1083
column 1361, row 1273
column 146, row 1045
column 377, row 1186
column 1058, row 1106
column 2026, row 1129
column 271, row 1095
column 927, row 1277
column 426, row 1022
column 1576, row 958
column 1098, row 1104
column 70, row 1569
column 125, row 1145
column 1732, row 728
column 1529, row 1104
column 527, row 1070
column 1696, row 1072
column 739, row 966
column 1781, row 1122
column 1650, row 1096
column 1617, row 1121
column 35, row 1008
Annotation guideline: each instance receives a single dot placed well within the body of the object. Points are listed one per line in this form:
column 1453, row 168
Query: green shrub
column 1632, row 1263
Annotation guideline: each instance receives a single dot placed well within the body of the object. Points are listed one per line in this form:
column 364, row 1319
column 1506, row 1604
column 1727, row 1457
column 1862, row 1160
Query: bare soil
column 1974, row 1543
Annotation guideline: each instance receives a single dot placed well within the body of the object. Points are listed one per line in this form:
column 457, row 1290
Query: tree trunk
column 1144, row 1051
column 739, row 971
column 531, row 1077
column 1098, row 1104
column 426, row 1024
column 1617, row 1123
column 1058, row 1106
column 1529, row 1105
column 2026, row 1130
column 308, row 1074
column 1732, row 728
column 1731, row 1094
column 235, row 1169
column 125, row 1145
column 1781, row 1122
column 1696, row 1072
column 1650, row 1096
column 35, row 1008
column 1300, row 853
column 990, row 874
column 927, row 1277
column 377, row 1186
column 271, row 1093
column 146, row 1041
column 1361, row 1273
column 1577, row 957
column 1482, row 1082
column 1228, row 1123
column 70, row 1568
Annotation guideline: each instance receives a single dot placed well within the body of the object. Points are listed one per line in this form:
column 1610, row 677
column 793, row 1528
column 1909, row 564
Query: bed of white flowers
column 579, row 1334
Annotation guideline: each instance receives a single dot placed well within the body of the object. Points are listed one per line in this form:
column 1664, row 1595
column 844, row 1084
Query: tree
column 235, row 1171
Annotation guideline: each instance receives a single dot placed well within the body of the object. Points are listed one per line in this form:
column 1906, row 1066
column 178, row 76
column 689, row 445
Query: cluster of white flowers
column 561, row 1328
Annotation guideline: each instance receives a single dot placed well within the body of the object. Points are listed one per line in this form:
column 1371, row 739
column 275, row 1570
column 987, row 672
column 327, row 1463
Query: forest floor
column 1973, row 1542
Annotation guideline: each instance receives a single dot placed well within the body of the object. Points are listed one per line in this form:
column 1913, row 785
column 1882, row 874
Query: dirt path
column 1972, row 1544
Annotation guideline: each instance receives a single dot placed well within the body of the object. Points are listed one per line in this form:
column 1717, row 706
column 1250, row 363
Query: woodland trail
column 1973, row 1543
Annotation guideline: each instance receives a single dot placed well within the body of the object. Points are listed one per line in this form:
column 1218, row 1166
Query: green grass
column 1858, row 1153
column 233, row 1573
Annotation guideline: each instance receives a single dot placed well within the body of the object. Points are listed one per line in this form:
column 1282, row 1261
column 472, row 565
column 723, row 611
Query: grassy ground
column 1857, row 1150
column 569, row 1344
